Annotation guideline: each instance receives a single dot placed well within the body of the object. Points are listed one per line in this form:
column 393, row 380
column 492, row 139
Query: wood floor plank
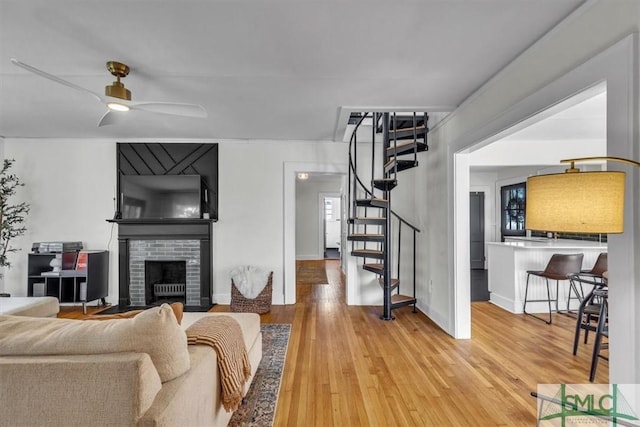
column 346, row 367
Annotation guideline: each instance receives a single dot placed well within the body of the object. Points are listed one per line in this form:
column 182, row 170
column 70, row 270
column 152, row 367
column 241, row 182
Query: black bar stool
column 590, row 277
column 602, row 330
column 589, row 309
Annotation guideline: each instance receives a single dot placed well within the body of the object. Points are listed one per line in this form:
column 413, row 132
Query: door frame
column 291, row 170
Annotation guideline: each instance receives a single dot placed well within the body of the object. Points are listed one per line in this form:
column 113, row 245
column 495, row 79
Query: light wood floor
column 345, row 367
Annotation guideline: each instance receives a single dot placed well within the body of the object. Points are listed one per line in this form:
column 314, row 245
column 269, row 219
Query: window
column 513, row 198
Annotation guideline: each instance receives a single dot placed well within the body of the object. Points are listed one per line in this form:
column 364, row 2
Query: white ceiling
column 262, row 69
column 579, row 129
column 585, row 120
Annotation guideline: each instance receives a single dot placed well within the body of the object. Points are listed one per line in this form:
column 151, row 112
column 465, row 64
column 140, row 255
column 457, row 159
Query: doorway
column 479, row 283
column 525, row 148
column 615, row 67
column 331, row 207
column 292, row 214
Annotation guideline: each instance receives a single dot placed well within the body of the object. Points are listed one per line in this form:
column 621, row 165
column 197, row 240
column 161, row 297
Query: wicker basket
column 260, row 304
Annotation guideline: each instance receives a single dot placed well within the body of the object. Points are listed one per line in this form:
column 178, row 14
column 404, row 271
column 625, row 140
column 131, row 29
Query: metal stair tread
column 385, row 184
column 400, row 145
column 399, row 164
column 406, row 148
column 394, row 283
column 377, row 268
column 398, row 300
column 378, row 220
column 419, row 129
column 365, row 237
column 373, row 202
column 368, row 253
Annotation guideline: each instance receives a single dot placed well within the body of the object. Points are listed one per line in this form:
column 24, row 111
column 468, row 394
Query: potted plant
column 12, row 216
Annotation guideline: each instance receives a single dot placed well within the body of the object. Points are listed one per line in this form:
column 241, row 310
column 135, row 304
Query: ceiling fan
column 117, row 98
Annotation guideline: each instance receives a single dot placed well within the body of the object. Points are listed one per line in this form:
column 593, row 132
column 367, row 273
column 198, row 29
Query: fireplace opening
column 165, row 281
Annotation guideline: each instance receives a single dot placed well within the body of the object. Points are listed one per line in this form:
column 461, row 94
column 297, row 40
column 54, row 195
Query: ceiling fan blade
column 55, row 78
column 109, row 118
column 173, row 108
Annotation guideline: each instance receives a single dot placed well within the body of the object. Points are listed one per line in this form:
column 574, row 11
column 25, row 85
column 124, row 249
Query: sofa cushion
column 77, row 390
column 154, row 331
column 177, row 308
column 30, row 306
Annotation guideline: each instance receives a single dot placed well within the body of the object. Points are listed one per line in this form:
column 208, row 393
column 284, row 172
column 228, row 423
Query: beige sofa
column 138, row 371
column 30, row 306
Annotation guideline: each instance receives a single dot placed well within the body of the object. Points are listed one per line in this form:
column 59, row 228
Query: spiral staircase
column 375, row 230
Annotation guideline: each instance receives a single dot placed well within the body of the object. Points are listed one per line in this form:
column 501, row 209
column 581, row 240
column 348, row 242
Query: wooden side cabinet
column 69, row 285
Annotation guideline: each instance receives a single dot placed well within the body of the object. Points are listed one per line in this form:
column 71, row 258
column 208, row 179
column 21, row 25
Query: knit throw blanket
column 223, row 333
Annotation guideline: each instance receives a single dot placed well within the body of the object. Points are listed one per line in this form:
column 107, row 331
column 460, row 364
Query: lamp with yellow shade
column 577, row 202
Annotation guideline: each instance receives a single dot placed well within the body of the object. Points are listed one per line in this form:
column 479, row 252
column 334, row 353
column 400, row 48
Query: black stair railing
column 414, row 233
column 357, row 187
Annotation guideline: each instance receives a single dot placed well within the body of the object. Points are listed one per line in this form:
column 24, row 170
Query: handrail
column 404, row 221
column 364, row 187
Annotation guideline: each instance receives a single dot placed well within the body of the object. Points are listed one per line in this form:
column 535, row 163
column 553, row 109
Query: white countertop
column 552, row 243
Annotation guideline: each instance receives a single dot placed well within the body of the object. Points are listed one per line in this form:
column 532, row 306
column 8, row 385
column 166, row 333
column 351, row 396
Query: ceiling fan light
column 116, row 106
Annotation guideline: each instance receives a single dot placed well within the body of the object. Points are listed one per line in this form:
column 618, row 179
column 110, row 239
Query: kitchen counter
column 508, row 263
column 537, row 242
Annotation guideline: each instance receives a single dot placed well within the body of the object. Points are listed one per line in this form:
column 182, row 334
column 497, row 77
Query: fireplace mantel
column 164, row 229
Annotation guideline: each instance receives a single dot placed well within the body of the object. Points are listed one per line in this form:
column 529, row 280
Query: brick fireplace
column 156, row 262
column 181, row 245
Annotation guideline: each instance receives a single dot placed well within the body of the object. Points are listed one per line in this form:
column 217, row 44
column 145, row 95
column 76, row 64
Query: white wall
column 541, row 152
column 308, row 214
column 582, row 36
column 71, row 185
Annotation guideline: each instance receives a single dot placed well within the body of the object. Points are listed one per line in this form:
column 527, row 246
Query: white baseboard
column 515, row 307
column 505, row 303
column 224, row 299
column 435, row 317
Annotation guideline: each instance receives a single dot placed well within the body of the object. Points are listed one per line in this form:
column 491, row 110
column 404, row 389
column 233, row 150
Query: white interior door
column 332, row 227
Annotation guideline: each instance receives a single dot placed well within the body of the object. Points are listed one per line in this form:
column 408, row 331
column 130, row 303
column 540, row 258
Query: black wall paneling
column 172, row 159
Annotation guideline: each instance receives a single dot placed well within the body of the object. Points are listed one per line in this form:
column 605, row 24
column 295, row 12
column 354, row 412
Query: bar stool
column 590, row 277
column 600, row 266
column 560, row 267
column 602, row 330
column 590, row 307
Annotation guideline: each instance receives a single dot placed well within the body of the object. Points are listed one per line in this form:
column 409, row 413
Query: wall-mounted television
column 160, row 196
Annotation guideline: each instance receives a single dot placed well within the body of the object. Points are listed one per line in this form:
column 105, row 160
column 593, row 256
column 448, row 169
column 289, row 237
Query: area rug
column 258, row 407
column 311, row 273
